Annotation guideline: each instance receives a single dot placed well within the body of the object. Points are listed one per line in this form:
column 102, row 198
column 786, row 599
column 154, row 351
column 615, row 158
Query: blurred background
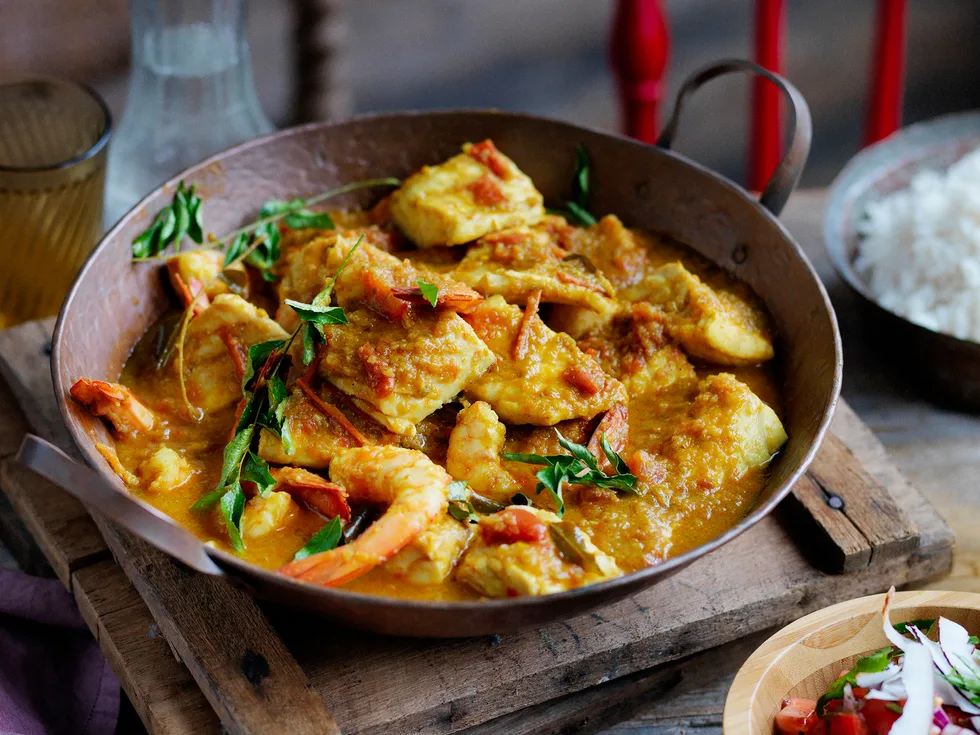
column 543, row 56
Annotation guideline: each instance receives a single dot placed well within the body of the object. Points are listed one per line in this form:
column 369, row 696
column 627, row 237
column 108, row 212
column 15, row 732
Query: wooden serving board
column 257, row 668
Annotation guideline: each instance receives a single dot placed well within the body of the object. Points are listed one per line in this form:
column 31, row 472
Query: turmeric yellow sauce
column 666, row 352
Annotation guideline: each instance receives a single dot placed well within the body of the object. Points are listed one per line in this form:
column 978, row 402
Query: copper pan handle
column 84, row 484
column 787, row 174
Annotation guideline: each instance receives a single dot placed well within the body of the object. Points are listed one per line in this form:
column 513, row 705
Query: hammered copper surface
column 114, row 302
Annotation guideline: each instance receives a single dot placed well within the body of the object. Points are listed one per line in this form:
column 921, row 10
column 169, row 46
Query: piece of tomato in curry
column 540, row 327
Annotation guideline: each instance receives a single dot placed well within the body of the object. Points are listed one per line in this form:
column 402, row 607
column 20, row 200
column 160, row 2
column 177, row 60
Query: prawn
column 416, row 491
column 327, row 498
column 474, row 450
column 115, row 402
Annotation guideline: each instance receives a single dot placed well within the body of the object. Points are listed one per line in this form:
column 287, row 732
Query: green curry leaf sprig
column 260, row 246
column 258, row 241
column 872, row 664
column 325, row 539
column 263, row 405
column 179, row 218
column 580, row 467
column 576, row 208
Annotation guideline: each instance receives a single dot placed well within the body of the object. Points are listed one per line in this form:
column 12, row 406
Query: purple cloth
column 53, row 678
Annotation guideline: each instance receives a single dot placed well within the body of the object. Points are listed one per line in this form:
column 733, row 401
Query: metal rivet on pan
column 255, row 667
column 836, row 502
column 740, row 254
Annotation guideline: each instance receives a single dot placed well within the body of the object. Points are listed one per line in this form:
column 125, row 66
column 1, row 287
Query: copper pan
column 113, row 302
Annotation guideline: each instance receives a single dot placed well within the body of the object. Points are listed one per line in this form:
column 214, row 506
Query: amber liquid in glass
column 52, row 176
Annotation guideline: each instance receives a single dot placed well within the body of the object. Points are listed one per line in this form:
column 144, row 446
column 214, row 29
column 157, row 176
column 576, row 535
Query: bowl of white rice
column 902, row 228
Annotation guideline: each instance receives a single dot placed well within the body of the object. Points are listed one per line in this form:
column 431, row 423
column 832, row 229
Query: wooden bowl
column 805, row 657
column 943, row 366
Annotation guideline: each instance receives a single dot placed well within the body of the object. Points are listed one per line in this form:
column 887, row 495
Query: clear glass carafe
column 191, row 94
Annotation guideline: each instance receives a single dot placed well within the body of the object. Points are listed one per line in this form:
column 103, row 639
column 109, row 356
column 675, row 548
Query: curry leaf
column 278, row 206
column 255, row 469
column 530, row 458
column 312, row 339
column 460, row 506
column 258, row 354
column 579, row 468
column 195, row 229
column 876, row 662
column 429, row 292
column 237, row 248
column 578, row 451
column 180, row 218
column 286, row 437
column 325, row 539
column 232, row 506
column 209, row 499
column 580, row 183
column 924, row 625
column 234, row 454
column 580, row 214
column 318, row 314
column 304, row 219
column 615, row 460
column 250, row 411
column 576, row 209
column 278, row 393
column 551, row 478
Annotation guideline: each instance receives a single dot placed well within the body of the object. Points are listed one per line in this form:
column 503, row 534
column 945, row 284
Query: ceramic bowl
column 944, row 367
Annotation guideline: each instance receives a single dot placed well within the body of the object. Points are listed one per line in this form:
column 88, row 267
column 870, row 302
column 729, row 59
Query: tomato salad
column 923, row 684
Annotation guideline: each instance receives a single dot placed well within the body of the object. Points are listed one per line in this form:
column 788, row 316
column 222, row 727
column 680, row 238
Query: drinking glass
column 53, row 136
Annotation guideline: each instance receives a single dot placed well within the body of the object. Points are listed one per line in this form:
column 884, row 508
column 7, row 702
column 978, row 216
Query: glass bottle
column 191, row 94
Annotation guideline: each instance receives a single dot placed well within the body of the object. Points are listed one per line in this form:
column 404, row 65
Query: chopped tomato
column 878, row 717
column 512, row 525
column 846, row 723
column 487, row 191
column 797, row 717
column 487, row 154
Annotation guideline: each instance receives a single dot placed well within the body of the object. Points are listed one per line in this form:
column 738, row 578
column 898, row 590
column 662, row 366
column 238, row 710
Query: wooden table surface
column 935, row 448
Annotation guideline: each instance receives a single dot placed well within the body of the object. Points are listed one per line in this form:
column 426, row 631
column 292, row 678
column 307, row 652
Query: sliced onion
column 850, row 703
column 955, row 651
column 917, row 675
column 952, row 729
column 975, row 721
column 894, row 637
column 872, row 680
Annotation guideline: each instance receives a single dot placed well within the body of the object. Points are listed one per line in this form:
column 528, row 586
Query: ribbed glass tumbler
column 53, row 136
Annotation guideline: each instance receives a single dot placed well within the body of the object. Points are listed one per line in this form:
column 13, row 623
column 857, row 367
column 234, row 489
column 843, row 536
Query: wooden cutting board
column 258, row 668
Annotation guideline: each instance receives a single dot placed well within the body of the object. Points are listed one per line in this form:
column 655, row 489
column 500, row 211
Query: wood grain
column 837, row 544
column 866, row 503
column 157, row 683
column 804, row 658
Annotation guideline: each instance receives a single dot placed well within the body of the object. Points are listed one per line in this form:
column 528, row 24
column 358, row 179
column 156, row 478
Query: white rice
column 920, row 252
